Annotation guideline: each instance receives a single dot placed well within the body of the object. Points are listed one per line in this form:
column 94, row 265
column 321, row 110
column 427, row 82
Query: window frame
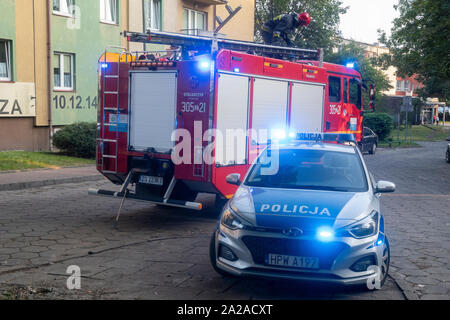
column 151, row 7
column 195, row 28
column 61, row 72
column 8, row 60
column 359, row 87
column 339, row 98
column 62, row 13
column 115, row 20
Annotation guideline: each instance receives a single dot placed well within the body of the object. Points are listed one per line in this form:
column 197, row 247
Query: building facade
column 48, row 65
column 49, row 51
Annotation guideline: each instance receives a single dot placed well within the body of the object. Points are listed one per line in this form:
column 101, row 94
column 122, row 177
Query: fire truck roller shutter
column 152, row 110
column 270, row 101
column 232, row 118
column 307, row 107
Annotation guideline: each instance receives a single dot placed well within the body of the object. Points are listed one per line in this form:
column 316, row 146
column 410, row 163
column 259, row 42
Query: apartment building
column 49, row 51
column 196, row 17
column 48, row 64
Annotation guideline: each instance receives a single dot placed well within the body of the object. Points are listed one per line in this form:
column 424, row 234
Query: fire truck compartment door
column 232, row 114
column 152, row 110
column 307, row 108
column 270, row 101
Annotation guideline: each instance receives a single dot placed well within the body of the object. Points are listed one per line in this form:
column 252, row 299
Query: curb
column 50, row 182
column 407, row 290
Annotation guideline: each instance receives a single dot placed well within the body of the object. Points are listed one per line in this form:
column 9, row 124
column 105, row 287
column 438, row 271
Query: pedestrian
column 279, row 27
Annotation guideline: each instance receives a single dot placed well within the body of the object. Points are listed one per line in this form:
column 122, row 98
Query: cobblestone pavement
column 162, row 253
column 417, row 217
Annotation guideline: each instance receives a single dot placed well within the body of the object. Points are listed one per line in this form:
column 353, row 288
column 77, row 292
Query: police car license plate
column 158, row 181
column 292, row 261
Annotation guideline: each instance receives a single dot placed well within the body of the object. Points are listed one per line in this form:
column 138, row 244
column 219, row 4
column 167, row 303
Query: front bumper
column 335, row 258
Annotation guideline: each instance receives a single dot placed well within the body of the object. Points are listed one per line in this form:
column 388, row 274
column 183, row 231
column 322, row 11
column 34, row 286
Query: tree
column 352, row 52
column 419, row 45
column 323, row 29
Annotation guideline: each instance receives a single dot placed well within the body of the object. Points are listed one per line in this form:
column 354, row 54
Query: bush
column 77, row 139
column 381, row 123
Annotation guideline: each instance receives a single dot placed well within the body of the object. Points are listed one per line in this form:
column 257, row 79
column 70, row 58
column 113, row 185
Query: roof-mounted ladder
column 213, row 44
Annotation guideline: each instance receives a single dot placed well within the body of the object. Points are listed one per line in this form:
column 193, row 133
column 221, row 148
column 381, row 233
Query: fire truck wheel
column 212, row 257
column 373, row 149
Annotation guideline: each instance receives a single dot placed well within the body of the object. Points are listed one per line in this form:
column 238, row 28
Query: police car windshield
column 309, row 169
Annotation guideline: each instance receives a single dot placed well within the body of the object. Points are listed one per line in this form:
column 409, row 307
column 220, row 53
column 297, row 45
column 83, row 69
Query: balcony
column 208, row 2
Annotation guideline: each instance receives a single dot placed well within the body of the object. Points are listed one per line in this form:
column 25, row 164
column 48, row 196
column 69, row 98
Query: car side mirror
column 385, row 187
column 234, row 178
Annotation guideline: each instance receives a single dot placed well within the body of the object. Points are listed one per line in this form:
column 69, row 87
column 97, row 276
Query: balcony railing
column 210, row 2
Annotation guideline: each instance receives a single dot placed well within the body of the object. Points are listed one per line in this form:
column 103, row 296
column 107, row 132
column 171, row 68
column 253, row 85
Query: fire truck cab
column 179, row 123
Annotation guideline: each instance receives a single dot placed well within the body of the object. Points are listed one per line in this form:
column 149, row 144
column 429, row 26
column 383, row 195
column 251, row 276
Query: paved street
column 162, row 253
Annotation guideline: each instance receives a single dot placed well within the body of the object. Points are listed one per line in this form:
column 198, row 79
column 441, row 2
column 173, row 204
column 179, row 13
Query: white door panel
column 152, row 110
column 307, row 108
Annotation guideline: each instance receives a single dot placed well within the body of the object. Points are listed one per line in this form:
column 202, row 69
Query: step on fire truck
column 210, row 83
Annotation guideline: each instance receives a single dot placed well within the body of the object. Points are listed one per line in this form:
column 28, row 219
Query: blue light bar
column 330, row 137
column 350, row 65
column 104, row 65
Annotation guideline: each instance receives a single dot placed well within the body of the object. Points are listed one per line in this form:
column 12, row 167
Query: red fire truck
column 152, row 102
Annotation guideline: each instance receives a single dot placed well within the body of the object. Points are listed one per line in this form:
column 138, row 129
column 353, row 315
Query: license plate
column 292, row 261
column 158, row 181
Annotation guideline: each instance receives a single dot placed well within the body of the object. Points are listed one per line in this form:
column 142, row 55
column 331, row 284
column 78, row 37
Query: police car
column 307, row 209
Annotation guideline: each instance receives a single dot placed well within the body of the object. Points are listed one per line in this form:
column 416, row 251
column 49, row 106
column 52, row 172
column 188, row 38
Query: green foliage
column 419, row 45
column 321, row 32
column 77, row 139
column 381, row 123
column 352, row 52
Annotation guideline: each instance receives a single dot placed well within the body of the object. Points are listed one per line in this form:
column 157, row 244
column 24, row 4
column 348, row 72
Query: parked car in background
column 447, row 154
column 369, row 142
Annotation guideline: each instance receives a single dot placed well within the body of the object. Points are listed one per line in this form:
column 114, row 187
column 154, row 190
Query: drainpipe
column 49, row 76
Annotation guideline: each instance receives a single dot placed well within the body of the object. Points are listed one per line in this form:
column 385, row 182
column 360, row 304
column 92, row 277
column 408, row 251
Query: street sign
column 407, row 105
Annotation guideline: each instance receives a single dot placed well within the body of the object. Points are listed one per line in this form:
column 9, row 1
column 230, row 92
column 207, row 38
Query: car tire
column 212, row 257
column 373, row 149
column 385, row 263
column 447, row 156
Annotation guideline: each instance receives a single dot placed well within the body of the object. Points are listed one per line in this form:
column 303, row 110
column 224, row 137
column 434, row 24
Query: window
column 108, row 11
column 406, row 85
column 310, row 169
column 399, row 85
column 64, row 7
column 355, row 93
column 345, row 91
column 334, row 90
column 152, row 14
column 5, row 60
column 193, row 21
column 63, row 71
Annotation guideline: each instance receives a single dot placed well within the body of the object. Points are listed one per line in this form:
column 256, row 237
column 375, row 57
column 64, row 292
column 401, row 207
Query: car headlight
column 230, row 220
column 364, row 228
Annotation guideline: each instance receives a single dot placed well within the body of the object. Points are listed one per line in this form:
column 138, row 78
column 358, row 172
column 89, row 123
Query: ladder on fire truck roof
column 214, row 44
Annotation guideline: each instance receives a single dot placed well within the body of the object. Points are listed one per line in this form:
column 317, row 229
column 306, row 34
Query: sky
column 364, row 17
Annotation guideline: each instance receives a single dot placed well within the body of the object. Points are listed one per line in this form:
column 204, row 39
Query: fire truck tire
column 373, row 150
column 212, row 257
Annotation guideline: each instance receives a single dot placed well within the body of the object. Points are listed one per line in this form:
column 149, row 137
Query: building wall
column 87, row 42
column 17, row 129
column 24, row 23
column 242, row 26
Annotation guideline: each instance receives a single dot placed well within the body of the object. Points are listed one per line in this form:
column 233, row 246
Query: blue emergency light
column 329, row 137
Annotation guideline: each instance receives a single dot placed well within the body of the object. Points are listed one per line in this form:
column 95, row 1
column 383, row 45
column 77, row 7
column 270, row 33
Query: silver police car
column 306, row 210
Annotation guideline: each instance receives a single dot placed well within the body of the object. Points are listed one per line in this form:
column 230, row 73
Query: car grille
column 325, row 251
